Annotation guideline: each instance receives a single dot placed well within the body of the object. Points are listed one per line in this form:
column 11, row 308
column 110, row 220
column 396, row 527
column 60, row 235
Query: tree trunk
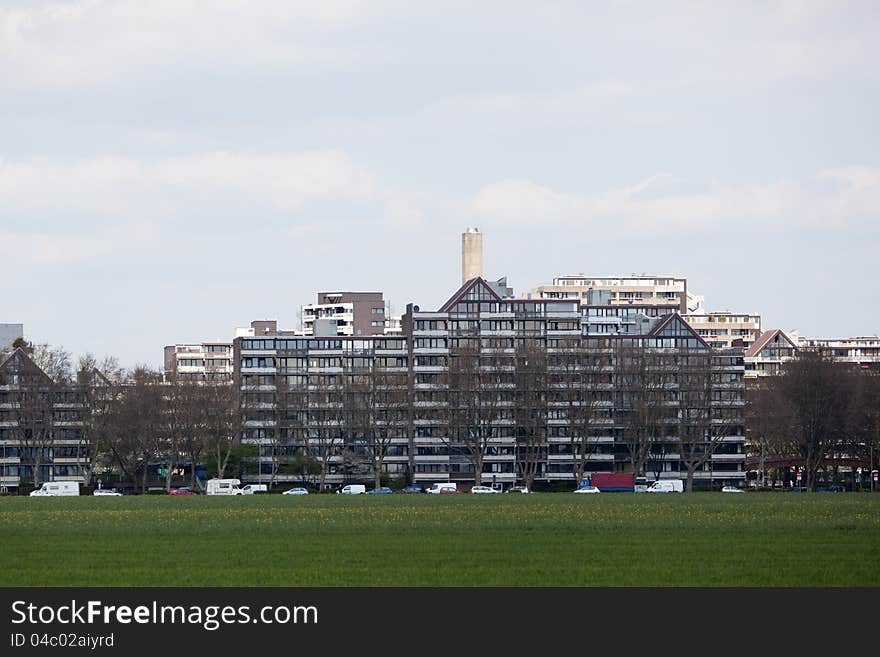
column 689, row 487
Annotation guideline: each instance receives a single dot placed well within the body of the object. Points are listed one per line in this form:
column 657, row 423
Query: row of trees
column 654, row 401
column 818, row 413
column 116, row 418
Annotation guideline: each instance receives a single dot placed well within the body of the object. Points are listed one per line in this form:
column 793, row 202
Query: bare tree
column 45, row 396
column 99, row 384
column 578, row 389
column 530, row 408
column 185, row 423
column 323, row 424
column 476, row 402
column 376, row 400
column 221, row 421
column 136, row 430
column 708, row 409
column 639, row 400
column 817, row 395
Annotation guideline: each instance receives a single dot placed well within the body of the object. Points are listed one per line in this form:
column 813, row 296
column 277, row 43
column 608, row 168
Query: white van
column 57, row 489
column 446, row 487
column 223, row 487
column 250, row 489
column 667, row 486
column 353, row 489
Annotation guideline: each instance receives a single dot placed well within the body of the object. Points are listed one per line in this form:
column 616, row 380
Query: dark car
column 383, row 490
column 412, row 488
column 183, row 490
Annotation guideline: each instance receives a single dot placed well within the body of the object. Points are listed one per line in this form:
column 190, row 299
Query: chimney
column 471, row 254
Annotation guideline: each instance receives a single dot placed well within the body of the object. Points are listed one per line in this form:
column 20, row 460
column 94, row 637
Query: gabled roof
column 676, row 320
column 468, row 290
column 28, row 361
column 766, row 338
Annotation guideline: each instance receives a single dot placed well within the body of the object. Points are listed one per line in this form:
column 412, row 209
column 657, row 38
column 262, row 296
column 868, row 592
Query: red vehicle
column 612, row 482
column 183, row 490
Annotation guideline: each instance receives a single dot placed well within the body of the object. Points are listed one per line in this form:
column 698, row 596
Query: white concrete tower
column 471, row 254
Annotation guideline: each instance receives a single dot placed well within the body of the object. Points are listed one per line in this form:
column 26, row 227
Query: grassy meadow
column 705, row 539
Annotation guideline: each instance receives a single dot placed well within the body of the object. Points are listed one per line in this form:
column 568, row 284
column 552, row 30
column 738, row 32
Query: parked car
column 731, row 489
column 484, row 490
column 382, row 490
column 183, row 490
column 296, row 491
column 519, row 489
column 103, row 492
column 588, row 490
column 412, row 488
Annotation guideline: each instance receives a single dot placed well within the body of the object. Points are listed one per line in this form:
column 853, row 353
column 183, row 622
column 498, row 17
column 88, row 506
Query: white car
column 588, row 490
column 296, row 491
column 519, row 489
column 483, row 490
column 731, row 489
column 101, row 492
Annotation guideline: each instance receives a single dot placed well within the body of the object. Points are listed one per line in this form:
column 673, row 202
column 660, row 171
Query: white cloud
column 65, row 249
column 117, row 186
column 99, row 40
column 837, row 197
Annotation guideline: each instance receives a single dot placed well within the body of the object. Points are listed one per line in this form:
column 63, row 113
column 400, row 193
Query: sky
column 173, row 169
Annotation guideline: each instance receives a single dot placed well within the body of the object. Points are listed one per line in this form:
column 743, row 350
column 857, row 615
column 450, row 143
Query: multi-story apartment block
column 773, row 348
column 726, row 330
column 350, row 313
column 767, row 354
column 41, row 437
column 862, row 351
column 207, row 361
column 666, row 291
column 342, row 399
column 483, row 389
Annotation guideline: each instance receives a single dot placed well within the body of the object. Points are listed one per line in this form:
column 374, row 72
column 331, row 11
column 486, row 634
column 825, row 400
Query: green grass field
column 457, row 540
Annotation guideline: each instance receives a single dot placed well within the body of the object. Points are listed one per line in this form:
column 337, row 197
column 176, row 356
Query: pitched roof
column 764, row 339
column 465, row 289
column 18, row 351
column 669, row 319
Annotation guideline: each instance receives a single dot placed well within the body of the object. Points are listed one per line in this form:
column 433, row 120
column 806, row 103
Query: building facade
column 496, row 390
column 666, row 291
column 726, row 330
column 345, row 313
column 207, row 361
column 41, row 426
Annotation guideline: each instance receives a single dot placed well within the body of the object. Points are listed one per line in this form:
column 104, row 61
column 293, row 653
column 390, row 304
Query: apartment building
column 726, row 330
column 41, row 426
column 478, row 390
column 351, row 313
column 342, row 399
column 773, row 348
column 863, row 351
column 767, row 354
column 206, row 361
column 649, row 290
column 503, row 331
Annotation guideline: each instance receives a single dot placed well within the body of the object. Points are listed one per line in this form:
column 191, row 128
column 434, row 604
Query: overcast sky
column 175, row 168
